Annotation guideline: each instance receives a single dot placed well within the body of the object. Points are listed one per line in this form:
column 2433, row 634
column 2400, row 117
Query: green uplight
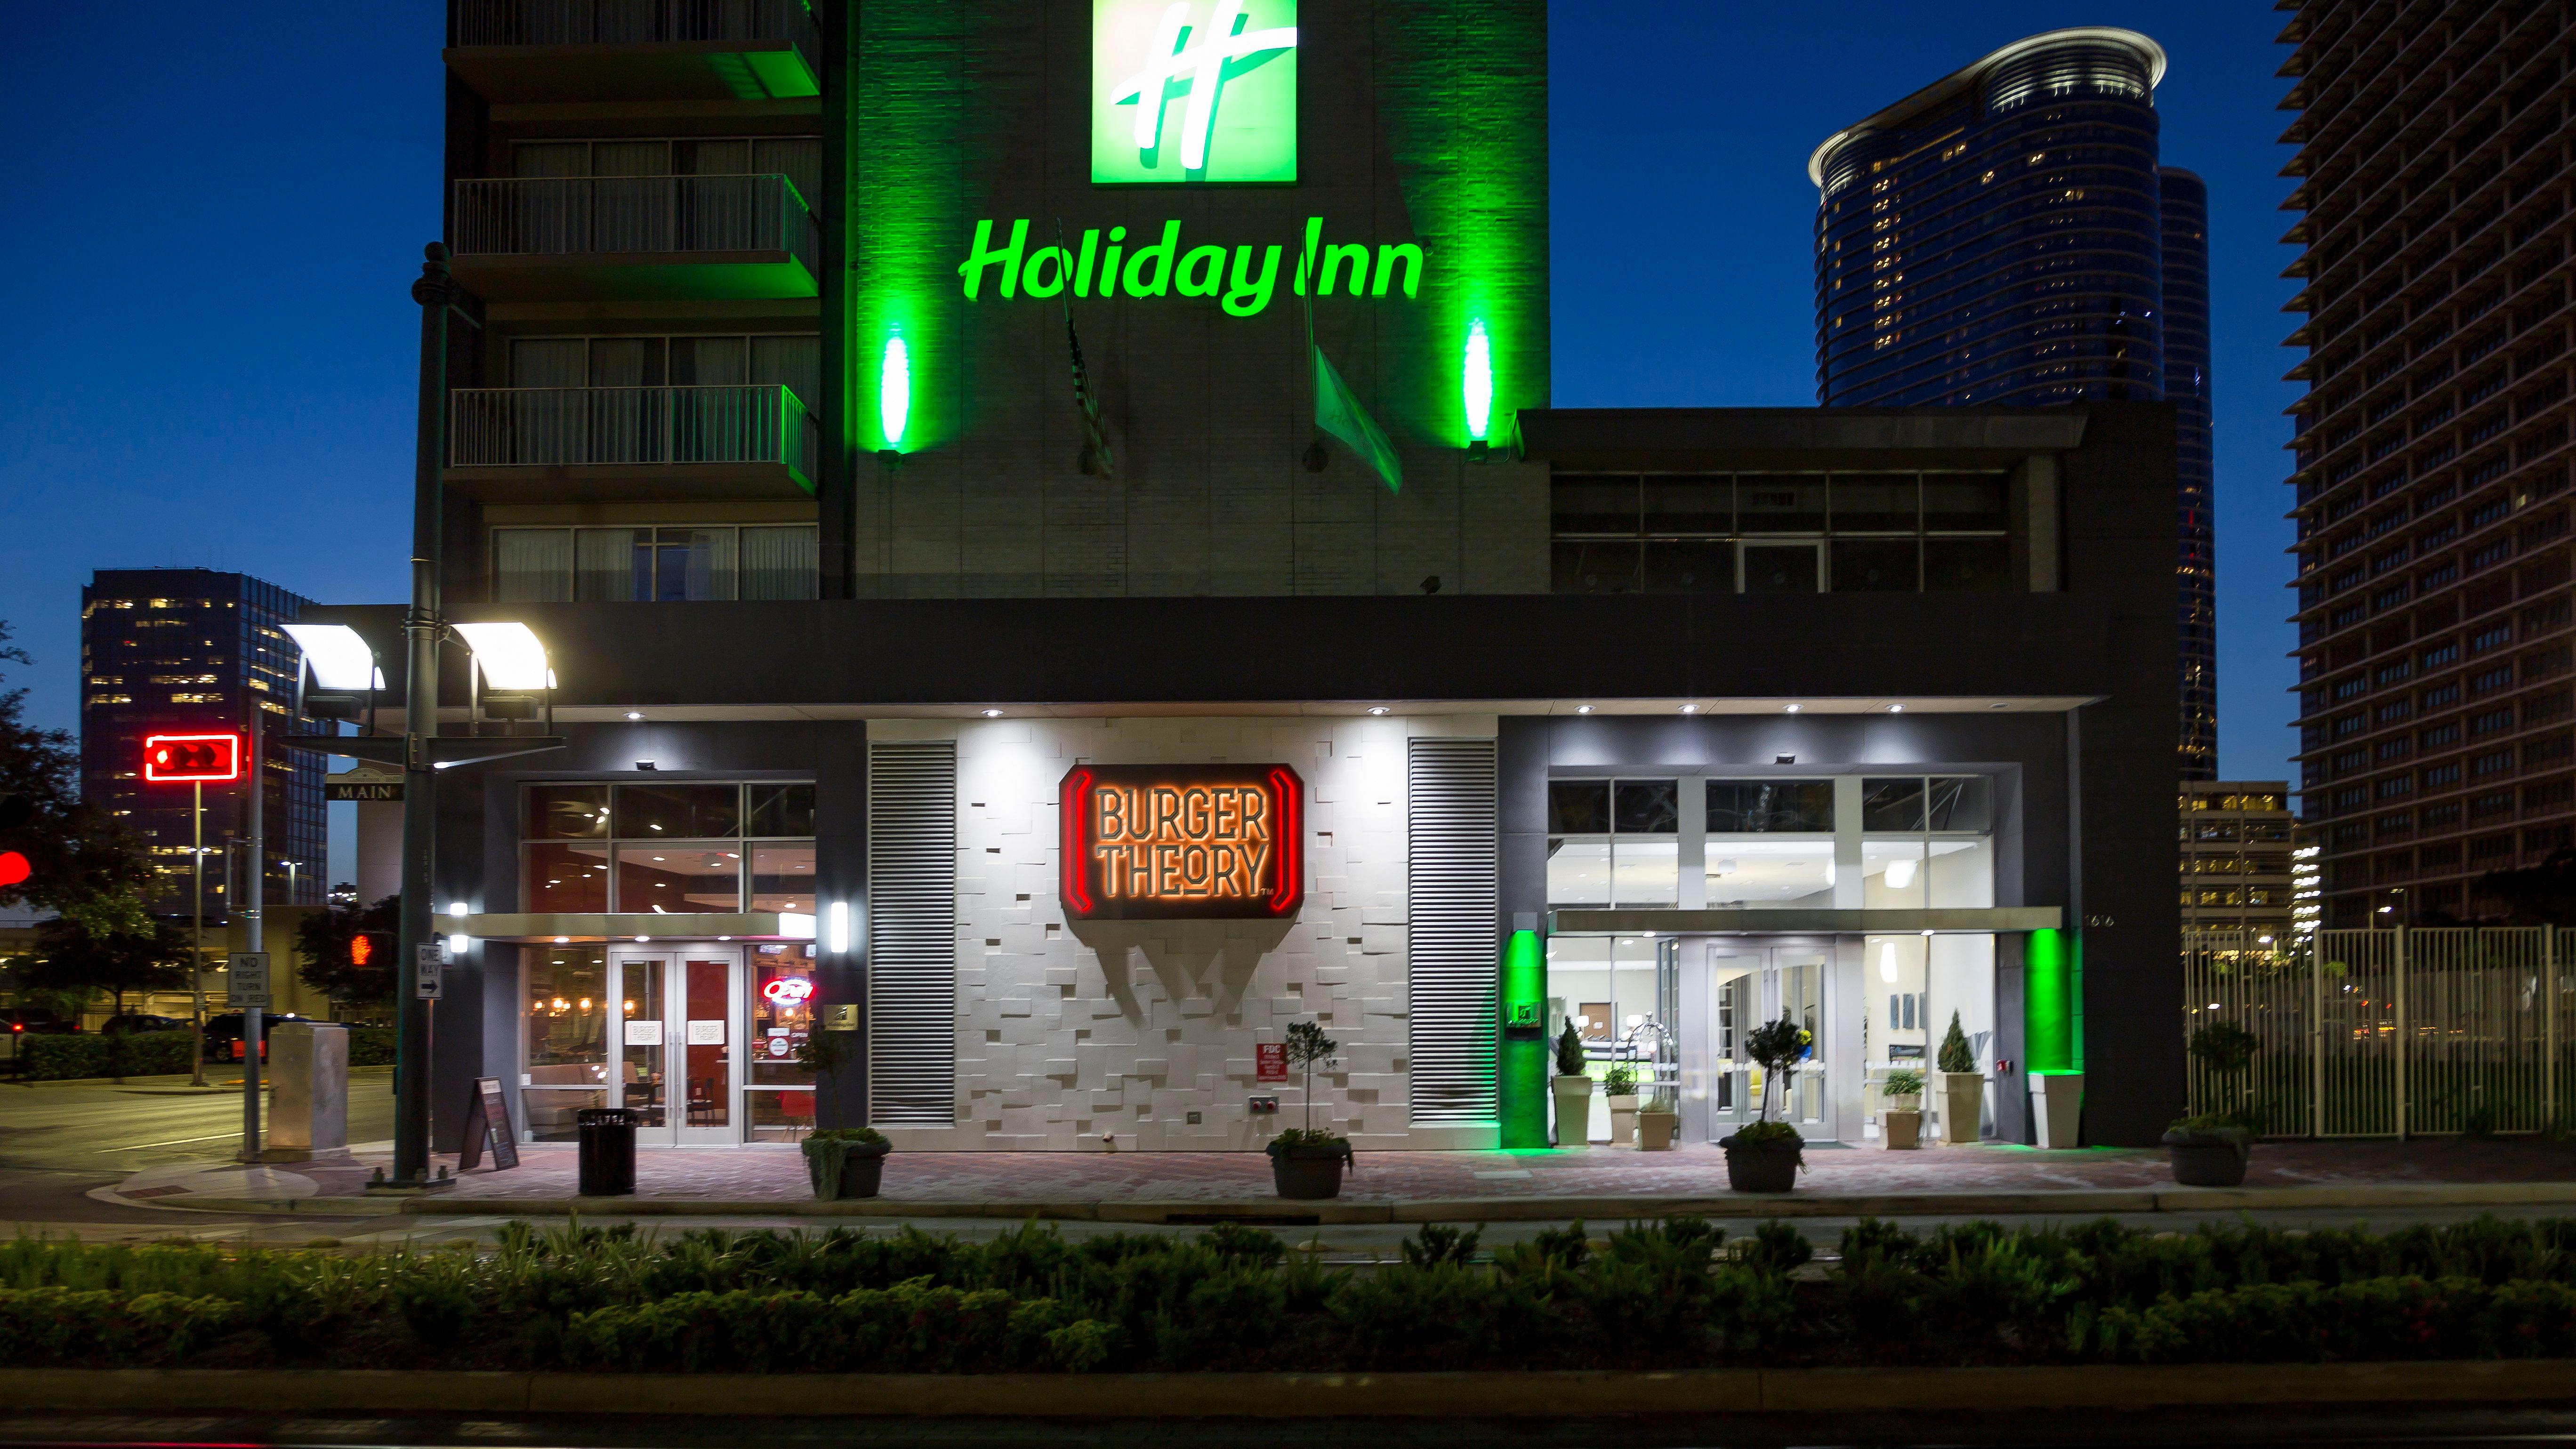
column 894, row 390
column 1479, row 380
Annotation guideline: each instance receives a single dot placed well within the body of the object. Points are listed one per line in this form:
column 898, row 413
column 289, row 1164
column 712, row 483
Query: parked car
column 132, row 1021
column 224, row 1034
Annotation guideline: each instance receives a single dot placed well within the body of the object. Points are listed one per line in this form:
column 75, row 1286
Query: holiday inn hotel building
column 1060, row 589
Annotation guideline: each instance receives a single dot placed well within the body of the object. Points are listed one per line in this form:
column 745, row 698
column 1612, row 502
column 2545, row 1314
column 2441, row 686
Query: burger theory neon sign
column 1182, row 842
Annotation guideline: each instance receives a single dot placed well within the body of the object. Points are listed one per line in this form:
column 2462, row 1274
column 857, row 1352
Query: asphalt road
column 60, row 1139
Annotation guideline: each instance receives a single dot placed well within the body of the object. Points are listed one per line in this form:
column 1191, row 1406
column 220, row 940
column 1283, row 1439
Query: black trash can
column 607, row 1151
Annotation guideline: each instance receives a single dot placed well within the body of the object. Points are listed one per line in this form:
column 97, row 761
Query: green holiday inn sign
column 1193, row 91
column 1242, row 280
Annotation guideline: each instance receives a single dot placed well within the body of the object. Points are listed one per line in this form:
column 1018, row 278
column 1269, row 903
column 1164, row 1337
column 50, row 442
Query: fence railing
column 525, row 427
column 2391, row 1033
column 578, row 215
column 635, row 22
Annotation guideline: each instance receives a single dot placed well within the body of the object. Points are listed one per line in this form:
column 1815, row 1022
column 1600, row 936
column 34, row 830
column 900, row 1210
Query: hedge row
column 371, row 1046
column 1668, row 1294
column 131, row 1054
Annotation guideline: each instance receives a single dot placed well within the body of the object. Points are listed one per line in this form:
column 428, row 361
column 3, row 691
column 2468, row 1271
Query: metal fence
column 2391, row 1033
column 589, row 215
column 508, row 427
column 635, row 22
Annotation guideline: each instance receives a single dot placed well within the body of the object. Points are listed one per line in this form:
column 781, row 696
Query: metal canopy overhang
column 1956, row 920
column 593, row 926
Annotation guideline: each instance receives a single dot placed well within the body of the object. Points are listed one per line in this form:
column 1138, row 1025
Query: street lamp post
column 435, row 291
column 197, row 932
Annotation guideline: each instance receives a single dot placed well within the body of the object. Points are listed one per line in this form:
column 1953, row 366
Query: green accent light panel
column 2053, row 1002
column 1524, row 1045
column 894, row 390
column 1479, row 381
column 1193, row 91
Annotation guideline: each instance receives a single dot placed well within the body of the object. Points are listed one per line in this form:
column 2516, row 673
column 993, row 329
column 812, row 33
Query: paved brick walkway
column 765, row 1174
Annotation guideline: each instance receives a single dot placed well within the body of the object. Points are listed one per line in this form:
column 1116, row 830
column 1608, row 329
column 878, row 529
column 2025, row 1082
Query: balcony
column 635, row 50
column 565, row 444
column 594, row 237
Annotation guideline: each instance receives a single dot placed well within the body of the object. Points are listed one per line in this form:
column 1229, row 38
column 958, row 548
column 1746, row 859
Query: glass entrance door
column 679, row 1042
column 1747, row 990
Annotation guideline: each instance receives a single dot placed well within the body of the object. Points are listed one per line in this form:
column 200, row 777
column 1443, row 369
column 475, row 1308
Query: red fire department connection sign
column 1182, row 842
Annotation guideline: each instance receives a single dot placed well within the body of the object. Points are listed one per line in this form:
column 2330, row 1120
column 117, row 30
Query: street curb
column 2089, row 1202
column 1536, row 1394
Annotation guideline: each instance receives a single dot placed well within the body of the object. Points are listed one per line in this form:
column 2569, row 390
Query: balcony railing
column 612, row 50
column 636, row 22
column 532, row 427
column 567, row 216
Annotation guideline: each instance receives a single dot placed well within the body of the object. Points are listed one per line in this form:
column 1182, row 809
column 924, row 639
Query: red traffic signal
column 191, row 759
column 366, row 946
column 14, row 868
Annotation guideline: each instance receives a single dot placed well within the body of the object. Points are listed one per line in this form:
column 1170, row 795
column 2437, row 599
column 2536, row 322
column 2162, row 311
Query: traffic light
column 191, row 759
column 371, row 946
column 15, row 808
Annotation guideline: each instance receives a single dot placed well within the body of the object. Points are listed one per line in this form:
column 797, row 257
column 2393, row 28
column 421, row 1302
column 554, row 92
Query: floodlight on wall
column 456, row 944
column 839, row 916
column 894, row 391
column 1478, row 380
column 459, row 908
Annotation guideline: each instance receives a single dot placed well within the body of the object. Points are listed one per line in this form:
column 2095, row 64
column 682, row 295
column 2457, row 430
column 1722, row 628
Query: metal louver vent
column 1453, row 893
column 912, row 933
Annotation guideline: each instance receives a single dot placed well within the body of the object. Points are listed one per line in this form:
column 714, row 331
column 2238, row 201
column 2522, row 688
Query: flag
column 1095, row 460
column 1340, row 414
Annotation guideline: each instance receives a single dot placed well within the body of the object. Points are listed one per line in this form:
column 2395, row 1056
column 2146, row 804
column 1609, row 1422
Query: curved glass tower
column 2002, row 237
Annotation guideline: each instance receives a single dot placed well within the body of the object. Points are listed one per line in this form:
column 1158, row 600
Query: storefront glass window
column 1769, row 872
column 682, row 875
column 782, row 876
column 1613, row 843
column 780, row 1095
column 567, row 1017
column 676, row 848
column 567, row 878
column 1781, row 532
column 1764, row 806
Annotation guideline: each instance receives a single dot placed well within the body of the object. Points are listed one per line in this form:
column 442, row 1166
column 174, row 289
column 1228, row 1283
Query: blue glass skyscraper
column 2007, row 236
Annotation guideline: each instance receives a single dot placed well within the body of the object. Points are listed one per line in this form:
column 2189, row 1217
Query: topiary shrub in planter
column 845, row 1162
column 1901, row 1121
column 1763, row 1155
column 1306, row 1163
column 2214, row 1148
column 1572, row 1088
column 1963, row 1089
column 1619, row 1087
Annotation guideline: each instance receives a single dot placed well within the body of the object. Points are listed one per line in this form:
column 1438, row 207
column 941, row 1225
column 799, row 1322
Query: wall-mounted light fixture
column 837, row 931
column 1477, row 379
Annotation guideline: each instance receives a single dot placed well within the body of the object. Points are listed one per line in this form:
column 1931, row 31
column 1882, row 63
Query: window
column 662, row 564
column 1613, row 843
column 1766, row 806
column 677, row 848
column 1790, row 532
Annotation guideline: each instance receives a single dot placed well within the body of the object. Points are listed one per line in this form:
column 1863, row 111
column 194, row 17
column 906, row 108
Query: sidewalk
column 1414, row 1186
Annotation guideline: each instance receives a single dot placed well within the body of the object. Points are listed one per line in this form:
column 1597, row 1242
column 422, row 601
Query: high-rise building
column 2006, row 235
column 2236, row 857
column 2431, row 447
column 177, row 651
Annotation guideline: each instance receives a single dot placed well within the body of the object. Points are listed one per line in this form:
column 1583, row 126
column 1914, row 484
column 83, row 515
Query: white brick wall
column 1068, row 1032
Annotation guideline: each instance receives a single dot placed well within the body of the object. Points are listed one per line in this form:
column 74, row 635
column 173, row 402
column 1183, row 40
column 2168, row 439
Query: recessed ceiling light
column 1896, row 709
column 1377, row 709
column 992, row 714
column 1690, row 709
column 1583, row 709
column 1998, row 705
column 1784, row 759
column 1793, row 709
column 635, row 714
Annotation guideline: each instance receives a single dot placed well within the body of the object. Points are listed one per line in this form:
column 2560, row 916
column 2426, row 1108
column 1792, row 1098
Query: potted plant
column 1963, row 1088
column 1659, row 1121
column 1901, row 1120
column 1619, row 1087
column 2211, row 1149
column 1306, row 1163
column 842, row 1162
column 1572, row 1088
column 1763, row 1155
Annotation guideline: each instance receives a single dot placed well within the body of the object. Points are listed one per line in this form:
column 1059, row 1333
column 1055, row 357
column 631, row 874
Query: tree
column 84, row 864
column 323, row 938
column 1777, row 1049
column 1307, row 1045
column 73, row 958
column 2540, row 895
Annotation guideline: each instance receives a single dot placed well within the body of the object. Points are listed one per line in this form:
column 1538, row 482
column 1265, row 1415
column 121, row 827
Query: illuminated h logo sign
column 1149, row 56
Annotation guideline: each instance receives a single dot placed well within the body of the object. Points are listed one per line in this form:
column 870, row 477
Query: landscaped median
column 1667, row 1317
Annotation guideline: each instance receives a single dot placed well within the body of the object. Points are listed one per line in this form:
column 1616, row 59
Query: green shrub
column 128, row 1054
column 62, row 1058
column 55, row 1325
column 371, row 1046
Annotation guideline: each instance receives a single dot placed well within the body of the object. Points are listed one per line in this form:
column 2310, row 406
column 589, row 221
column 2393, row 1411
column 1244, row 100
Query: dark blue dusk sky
column 215, row 211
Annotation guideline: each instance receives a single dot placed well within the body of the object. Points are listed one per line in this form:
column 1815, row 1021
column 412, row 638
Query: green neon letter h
column 972, row 269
